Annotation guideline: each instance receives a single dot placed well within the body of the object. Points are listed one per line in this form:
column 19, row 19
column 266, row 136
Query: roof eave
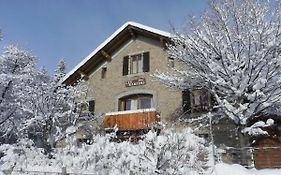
column 107, row 41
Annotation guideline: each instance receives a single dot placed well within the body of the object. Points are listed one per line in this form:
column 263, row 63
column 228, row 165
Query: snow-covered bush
column 174, row 152
column 170, row 153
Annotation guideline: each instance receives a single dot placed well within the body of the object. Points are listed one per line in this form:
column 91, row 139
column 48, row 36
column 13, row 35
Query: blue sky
column 71, row 29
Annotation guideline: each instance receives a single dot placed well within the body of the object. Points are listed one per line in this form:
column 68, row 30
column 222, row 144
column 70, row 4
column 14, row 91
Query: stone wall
column 107, row 91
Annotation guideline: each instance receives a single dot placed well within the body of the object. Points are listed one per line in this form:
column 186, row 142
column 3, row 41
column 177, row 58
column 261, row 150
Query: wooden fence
column 251, row 157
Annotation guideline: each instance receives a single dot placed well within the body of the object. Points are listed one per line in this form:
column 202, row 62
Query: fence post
column 63, row 172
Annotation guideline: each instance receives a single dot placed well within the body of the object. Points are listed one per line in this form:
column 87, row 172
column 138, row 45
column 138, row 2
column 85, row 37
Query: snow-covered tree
column 16, row 75
column 53, row 106
column 60, row 71
column 34, row 104
column 234, row 50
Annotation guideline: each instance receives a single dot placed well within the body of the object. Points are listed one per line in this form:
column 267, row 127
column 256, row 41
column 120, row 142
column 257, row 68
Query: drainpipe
column 212, row 139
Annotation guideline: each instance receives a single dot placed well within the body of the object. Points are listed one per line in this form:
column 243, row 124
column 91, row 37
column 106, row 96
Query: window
column 86, row 135
column 83, row 140
column 204, row 135
column 196, row 100
column 103, row 72
column 134, row 102
column 91, row 106
column 200, row 100
column 171, row 62
column 135, row 64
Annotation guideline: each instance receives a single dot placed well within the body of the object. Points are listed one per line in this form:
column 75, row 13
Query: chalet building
column 119, row 75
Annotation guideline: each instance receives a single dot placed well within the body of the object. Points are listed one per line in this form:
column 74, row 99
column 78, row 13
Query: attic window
column 135, row 64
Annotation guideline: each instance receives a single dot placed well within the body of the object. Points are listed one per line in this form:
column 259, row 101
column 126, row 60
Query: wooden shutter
column 92, row 106
column 213, row 101
column 125, row 65
column 186, row 101
column 146, row 62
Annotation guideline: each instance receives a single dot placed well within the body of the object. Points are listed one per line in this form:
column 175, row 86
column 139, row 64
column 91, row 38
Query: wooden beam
column 132, row 33
column 106, row 55
column 163, row 43
column 83, row 75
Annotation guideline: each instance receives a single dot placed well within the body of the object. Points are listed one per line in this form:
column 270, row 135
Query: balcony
column 134, row 120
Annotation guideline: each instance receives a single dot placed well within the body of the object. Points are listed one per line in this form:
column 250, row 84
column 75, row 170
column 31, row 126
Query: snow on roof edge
column 135, row 24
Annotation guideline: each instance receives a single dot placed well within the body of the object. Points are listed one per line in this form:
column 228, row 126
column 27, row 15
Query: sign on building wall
column 135, row 82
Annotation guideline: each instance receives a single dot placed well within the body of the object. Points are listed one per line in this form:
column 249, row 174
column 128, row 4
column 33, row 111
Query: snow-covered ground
column 153, row 154
column 226, row 169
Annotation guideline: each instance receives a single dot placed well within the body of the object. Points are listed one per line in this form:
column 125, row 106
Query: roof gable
column 125, row 32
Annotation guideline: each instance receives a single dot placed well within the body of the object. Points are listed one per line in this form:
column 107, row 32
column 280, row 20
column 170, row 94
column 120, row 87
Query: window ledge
column 135, row 75
column 131, row 111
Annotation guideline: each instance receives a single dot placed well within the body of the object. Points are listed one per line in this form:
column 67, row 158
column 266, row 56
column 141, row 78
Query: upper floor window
column 135, row 64
column 134, row 102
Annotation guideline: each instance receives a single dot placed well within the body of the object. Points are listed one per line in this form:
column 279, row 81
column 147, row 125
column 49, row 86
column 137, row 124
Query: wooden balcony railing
column 131, row 120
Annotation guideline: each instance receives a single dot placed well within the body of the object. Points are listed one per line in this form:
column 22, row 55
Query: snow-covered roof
column 109, row 39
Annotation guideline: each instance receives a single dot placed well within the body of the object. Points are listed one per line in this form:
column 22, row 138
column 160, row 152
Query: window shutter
column 213, row 101
column 146, row 62
column 125, row 65
column 186, row 101
column 92, row 106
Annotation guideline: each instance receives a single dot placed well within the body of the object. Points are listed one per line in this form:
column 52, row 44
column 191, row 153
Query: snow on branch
column 234, row 50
